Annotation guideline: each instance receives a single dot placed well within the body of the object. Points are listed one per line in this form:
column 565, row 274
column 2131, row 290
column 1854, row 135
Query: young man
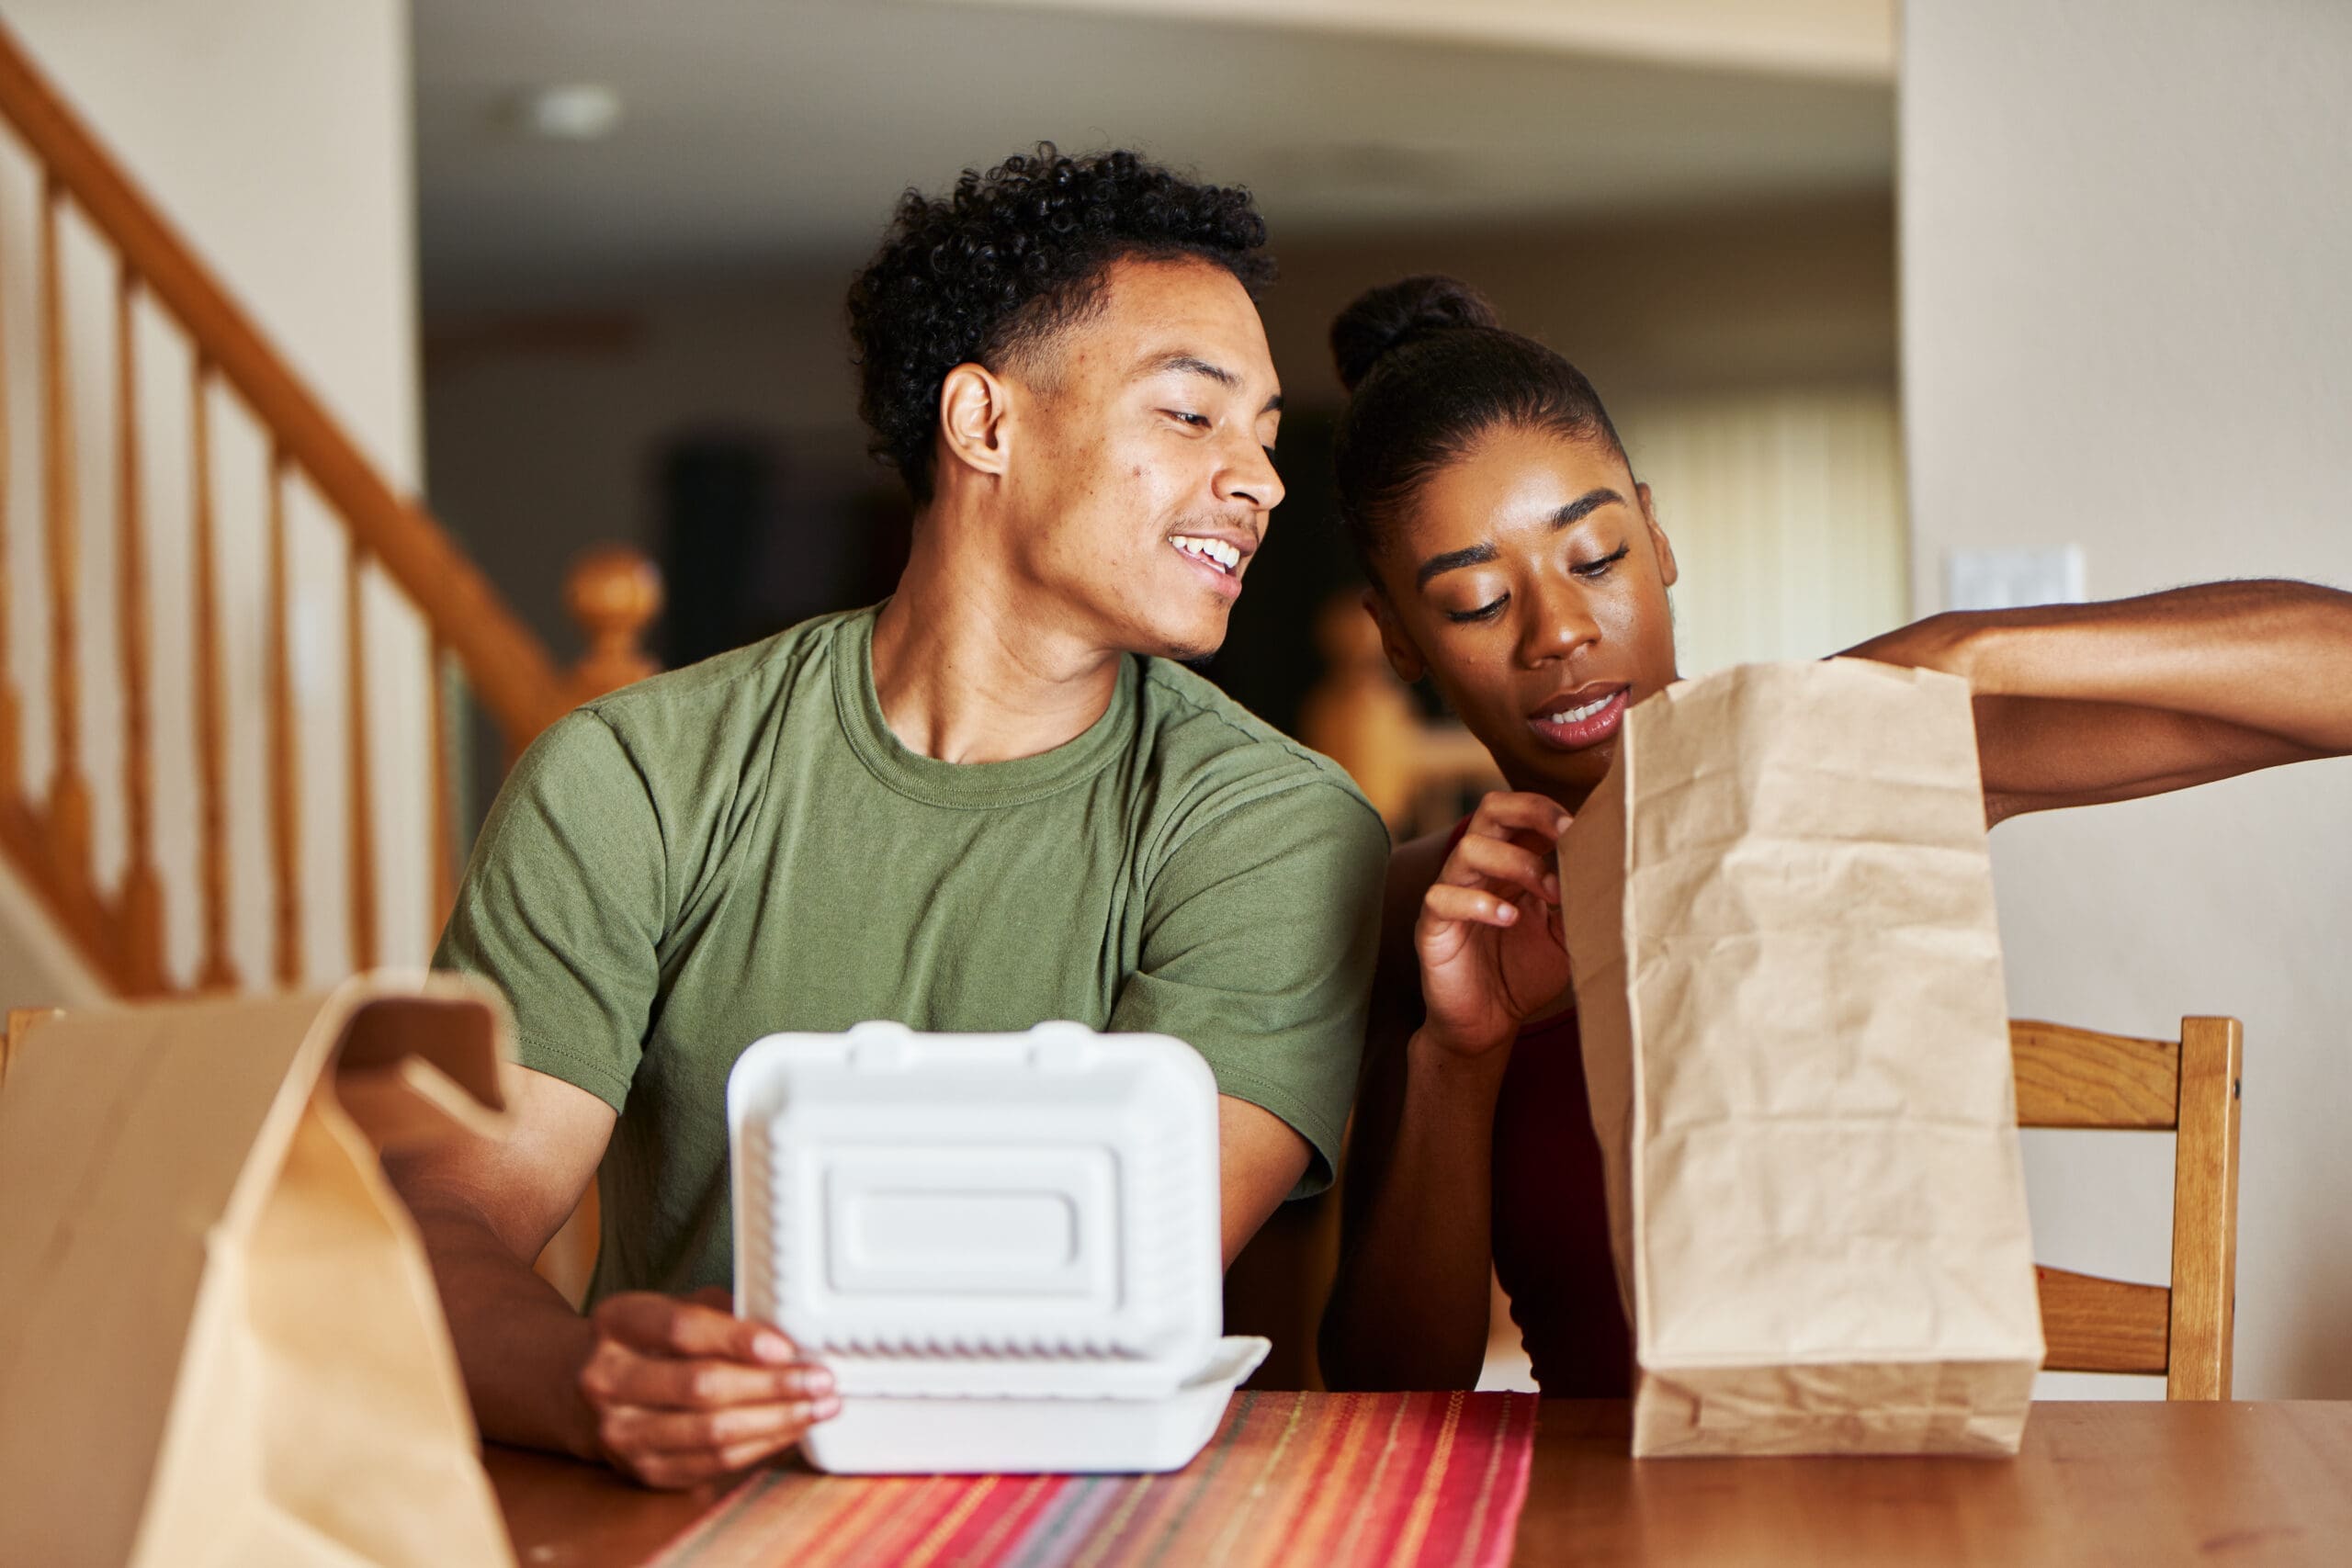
column 990, row 801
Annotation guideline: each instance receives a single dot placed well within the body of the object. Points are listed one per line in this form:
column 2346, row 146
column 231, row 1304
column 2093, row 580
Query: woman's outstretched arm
column 1458, row 976
column 2079, row 704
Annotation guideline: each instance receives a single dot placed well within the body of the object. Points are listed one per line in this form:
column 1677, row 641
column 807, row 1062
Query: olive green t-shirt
column 744, row 847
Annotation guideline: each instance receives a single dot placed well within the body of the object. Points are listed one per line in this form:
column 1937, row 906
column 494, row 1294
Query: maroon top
column 1550, row 1217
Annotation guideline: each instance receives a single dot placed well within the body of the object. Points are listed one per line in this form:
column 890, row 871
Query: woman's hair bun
column 1384, row 320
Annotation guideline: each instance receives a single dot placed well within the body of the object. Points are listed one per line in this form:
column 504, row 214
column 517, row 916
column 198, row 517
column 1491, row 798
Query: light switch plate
column 2008, row 579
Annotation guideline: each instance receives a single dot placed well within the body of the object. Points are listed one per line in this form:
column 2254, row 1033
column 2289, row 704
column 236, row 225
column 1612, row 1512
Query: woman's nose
column 1557, row 623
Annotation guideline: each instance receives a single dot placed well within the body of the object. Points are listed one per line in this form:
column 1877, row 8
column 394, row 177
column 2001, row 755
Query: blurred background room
column 638, row 221
column 1898, row 309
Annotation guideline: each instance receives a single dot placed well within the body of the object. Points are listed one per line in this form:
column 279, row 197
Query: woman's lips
column 1574, row 724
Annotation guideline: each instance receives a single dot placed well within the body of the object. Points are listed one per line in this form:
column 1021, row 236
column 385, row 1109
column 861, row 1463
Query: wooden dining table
column 2134, row 1483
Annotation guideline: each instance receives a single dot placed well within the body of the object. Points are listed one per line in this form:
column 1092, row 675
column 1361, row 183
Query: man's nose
column 1249, row 479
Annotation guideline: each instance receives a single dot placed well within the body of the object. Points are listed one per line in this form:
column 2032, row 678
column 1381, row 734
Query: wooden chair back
column 2189, row 1086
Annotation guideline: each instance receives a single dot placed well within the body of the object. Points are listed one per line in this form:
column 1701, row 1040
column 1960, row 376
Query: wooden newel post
column 1363, row 718
column 1359, row 714
column 613, row 592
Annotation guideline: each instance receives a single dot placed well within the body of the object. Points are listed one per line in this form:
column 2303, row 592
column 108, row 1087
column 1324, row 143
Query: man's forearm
column 1410, row 1308
column 520, row 1345
column 1259, row 1159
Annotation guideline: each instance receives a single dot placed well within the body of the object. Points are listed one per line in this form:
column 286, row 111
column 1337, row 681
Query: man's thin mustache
column 1244, row 522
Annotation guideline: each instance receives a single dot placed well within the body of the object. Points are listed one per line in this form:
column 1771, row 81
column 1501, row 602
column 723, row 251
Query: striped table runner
column 1311, row 1480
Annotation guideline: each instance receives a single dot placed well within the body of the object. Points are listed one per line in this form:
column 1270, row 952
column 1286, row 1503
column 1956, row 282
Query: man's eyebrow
column 1186, row 364
column 1476, row 554
column 1585, row 506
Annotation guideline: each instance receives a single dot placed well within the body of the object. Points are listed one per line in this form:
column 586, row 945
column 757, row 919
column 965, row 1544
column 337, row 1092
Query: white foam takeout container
column 1004, row 1246
column 1033, row 1435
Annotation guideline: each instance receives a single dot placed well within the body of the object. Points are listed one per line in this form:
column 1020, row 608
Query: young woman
column 1516, row 560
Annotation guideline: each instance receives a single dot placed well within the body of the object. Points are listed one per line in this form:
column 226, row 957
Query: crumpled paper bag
column 1779, row 910
column 219, row 1341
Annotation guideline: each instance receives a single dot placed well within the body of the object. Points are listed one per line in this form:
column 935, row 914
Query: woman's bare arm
column 2042, row 754
column 1409, row 1306
column 2080, row 703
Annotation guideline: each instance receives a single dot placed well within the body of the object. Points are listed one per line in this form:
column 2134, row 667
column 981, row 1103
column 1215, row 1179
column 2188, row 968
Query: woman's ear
column 974, row 418
column 1403, row 657
column 1667, row 571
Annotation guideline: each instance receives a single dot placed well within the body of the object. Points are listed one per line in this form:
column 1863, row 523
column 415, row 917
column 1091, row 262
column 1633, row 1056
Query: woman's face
column 1528, row 580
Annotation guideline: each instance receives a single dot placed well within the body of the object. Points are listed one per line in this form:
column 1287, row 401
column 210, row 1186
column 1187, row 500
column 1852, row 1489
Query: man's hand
column 683, row 1391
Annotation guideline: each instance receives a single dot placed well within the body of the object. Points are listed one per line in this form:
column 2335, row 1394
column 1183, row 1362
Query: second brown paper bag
column 219, row 1342
column 1780, row 912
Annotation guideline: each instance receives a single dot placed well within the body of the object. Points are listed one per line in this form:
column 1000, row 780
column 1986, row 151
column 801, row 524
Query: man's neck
column 973, row 664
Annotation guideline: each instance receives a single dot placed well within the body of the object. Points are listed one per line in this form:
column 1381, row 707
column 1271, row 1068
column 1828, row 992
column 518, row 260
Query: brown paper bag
column 219, row 1343
column 1779, row 913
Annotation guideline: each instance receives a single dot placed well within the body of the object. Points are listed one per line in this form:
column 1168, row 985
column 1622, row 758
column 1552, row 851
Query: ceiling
column 773, row 134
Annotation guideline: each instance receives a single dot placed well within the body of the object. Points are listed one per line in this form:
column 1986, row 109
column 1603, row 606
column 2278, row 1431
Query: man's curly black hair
column 1010, row 256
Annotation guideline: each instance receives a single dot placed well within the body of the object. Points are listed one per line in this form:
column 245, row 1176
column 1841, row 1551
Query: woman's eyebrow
column 1585, row 506
column 1574, row 511
column 1476, row 554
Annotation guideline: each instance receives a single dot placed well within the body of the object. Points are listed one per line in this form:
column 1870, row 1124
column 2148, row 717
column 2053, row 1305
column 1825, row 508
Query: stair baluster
column 11, row 709
column 363, row 829
column 219, row 971
column 285, row 742
column 141, row 901
column 68, row 828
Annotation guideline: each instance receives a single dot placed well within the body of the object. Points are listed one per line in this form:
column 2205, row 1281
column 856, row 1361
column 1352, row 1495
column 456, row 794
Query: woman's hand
column 1488, row 936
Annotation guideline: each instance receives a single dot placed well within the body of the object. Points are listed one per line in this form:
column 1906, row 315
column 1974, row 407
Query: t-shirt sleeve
column 562, row 906
column 1257, row 951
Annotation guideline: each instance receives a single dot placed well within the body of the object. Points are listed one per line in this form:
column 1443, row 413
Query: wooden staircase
column 118, row 919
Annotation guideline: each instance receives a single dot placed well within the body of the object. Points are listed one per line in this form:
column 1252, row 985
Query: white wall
column 2126, row 324
column 276, row 134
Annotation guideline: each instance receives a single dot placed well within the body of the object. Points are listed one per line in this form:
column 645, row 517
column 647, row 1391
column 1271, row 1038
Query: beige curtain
column 1785, row 508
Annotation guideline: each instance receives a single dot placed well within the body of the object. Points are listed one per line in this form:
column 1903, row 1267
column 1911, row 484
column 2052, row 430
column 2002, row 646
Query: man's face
column 1141, row 480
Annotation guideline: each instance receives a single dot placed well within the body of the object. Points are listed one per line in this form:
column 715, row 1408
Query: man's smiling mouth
column 1216, row 552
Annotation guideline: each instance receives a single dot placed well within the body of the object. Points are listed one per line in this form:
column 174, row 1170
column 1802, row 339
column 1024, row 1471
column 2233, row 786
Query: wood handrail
column 508, row 668
column 47, row 833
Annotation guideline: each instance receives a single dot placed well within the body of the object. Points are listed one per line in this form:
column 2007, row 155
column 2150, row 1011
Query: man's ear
column 1667, row 571
column 1403, row 657
column 974, row 418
